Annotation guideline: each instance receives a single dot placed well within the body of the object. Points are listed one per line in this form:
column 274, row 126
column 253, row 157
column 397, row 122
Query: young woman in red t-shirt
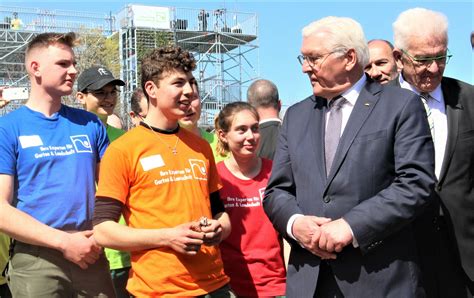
column 252, row 254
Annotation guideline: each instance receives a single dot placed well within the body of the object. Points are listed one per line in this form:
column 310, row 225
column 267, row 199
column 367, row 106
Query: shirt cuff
column 354, row 240
column 289, row 226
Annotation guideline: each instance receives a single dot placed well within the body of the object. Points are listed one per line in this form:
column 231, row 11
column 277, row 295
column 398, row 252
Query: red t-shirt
column 252, row 254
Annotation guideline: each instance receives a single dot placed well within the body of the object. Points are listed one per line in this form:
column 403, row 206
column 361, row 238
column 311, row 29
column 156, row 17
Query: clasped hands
column 187, row 238
column 322, row 236
column 81, row 248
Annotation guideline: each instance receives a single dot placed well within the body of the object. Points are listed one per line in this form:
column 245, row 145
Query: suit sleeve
column 279, row 201
column 409, row 192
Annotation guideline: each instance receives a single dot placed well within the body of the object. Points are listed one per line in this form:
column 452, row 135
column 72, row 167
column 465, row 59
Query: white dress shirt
column 438, row 113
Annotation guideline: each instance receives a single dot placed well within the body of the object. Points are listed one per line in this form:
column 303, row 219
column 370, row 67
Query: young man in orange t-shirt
column 165, row 180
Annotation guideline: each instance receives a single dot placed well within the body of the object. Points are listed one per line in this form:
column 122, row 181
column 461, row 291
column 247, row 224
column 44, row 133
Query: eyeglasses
column 101, row 94
column 315, row 62
column 427, row 61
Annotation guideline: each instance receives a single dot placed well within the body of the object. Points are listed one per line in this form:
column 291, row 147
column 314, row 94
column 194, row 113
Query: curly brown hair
column 160, row 60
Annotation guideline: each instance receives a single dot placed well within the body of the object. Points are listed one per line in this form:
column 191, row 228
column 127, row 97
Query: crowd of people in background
column 365, row 188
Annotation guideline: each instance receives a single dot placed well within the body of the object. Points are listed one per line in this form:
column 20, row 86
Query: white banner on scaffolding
column 151, row 17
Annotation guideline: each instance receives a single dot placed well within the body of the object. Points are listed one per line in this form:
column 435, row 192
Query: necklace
column 173, row 149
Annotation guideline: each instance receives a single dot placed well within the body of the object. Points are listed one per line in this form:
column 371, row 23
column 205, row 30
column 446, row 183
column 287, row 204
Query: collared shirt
column 351, row 96
column 438, row 113
column 269, row 120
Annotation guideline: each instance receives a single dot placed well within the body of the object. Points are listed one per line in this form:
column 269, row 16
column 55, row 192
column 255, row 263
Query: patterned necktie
column 333, row 130
column 425, row 98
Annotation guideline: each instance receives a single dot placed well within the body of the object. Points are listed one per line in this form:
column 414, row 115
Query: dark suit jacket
column 454, row 192
column 382, row 177
column 395, row 82
column 269, row 132
column 456, row 182
column 455, row 188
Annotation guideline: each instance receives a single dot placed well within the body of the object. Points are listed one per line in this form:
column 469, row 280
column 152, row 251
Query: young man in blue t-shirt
column 49, row 157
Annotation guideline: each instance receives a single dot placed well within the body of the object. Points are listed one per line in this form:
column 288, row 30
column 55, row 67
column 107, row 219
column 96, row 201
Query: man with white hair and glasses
column 446, row 230
column 346, row 188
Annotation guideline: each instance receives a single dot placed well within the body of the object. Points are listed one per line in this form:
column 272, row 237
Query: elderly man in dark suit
column 354, row 167
column 447, row 228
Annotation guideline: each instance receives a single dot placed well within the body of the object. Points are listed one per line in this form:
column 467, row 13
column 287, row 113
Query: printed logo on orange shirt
column 198, row 167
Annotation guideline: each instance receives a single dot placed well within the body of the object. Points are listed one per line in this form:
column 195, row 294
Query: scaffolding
column 18, row 25
column 223, row 42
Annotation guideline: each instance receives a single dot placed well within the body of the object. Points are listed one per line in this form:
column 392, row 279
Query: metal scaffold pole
column 224, row 43
column 18, row 25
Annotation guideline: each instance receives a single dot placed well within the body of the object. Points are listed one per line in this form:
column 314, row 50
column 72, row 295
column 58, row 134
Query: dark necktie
column 333, row 130
column 425, row 98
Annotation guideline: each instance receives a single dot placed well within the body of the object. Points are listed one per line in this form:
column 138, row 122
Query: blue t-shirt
column 53, row 161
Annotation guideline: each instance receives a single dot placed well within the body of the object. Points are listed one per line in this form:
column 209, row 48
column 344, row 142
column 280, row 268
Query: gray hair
column 345, row 33
column 263, row 93
column 419, row 23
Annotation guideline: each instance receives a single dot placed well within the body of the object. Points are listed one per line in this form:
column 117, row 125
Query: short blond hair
column 44, row 40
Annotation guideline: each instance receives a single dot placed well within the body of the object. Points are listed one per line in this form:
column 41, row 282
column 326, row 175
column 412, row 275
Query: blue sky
column 280, row 24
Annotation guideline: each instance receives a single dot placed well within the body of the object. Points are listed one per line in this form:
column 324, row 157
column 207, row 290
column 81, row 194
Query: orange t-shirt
column 163, row 190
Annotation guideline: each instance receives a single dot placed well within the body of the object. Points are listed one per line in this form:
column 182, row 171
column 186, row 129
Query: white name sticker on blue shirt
column 152, row 162
column 30, row 141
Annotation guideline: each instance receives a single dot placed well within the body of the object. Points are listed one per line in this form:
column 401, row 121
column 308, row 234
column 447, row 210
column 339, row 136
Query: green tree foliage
column 97, row 49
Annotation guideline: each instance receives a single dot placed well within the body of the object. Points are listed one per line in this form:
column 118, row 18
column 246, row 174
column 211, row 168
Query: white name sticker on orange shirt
column 152, row 162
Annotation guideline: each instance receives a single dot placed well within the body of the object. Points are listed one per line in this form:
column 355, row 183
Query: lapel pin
column 366, row 104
